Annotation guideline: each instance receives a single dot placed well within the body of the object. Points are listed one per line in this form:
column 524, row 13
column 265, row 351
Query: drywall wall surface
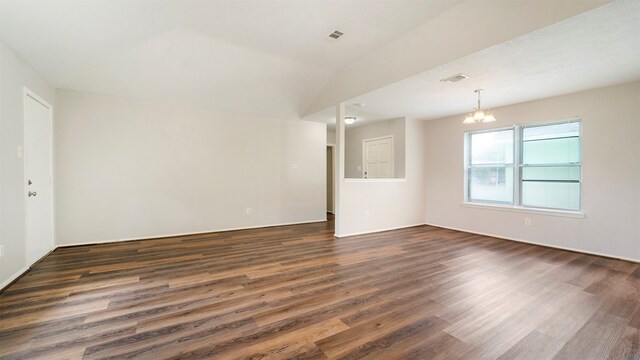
column 369, row 205
column 354, row 136
column 331, row 137
column 610, row 174
column 15, row 75
column 135, row 169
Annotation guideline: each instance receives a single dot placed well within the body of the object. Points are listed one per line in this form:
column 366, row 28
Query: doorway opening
column 330, row 187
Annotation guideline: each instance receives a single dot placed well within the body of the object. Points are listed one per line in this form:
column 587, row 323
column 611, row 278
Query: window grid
column 470, row 166
column 518, row 165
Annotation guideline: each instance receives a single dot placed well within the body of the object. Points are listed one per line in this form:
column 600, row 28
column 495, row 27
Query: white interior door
column 38, row 128
column 378, row 158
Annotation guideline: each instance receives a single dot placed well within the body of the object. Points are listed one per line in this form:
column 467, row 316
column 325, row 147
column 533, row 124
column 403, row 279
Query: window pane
column 494, row 147
column 553, row 173
column 555, row 187
column 491, row 184
column 557, row 195
column 551, row 151
column 551, row 144
column 551, row 131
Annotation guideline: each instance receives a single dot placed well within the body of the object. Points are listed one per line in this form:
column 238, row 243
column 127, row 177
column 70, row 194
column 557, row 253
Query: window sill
column 520, row 209
column 390, row 180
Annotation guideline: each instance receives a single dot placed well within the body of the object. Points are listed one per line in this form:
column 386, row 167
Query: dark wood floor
column 295, row 292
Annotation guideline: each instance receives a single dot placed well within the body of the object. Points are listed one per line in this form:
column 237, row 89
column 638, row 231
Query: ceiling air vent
column 335, row 35
column 455, row 78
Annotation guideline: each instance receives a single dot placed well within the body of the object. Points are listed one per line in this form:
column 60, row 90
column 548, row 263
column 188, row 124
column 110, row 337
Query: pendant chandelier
column 479, row 115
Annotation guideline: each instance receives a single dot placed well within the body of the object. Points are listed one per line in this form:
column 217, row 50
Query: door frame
column 364, row 154
column 28, row 93
column 333, row 178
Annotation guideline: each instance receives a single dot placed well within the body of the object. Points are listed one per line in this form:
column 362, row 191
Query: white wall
column 353, row 145
column 611, row 174
column 15, row 74
column 380, row 204
column 331, row 137
column 135, row 169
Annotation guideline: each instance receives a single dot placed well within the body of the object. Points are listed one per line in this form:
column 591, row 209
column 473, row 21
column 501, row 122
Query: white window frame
column 517, row 166
column 468, row 167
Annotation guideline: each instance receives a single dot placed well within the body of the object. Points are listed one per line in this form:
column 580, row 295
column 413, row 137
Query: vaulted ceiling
column 594, row 49
column 265, row 57
column 274, row 58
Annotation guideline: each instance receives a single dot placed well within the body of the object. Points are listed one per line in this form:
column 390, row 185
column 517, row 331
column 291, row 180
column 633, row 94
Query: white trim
column 517, row 164
column 375, row 180
column 377, row 230
column 333, row 178
column 23, row 271
column 14, row 277
column 378, row 138
column 521, row 209
column 364, row 155
column 29, row 93
column 538, row 243
column 190, row 233
column 34, row 96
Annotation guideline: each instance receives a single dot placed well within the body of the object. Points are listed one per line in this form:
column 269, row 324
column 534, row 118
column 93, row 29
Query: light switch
column 20, row 152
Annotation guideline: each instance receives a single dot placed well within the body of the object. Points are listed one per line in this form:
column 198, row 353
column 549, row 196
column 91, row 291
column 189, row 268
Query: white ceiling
column 594, row 49
column 269, row 58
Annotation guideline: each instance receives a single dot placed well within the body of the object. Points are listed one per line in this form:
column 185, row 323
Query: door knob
column 32, row 193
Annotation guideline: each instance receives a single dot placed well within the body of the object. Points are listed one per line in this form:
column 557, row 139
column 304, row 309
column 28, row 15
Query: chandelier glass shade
column 479, row 115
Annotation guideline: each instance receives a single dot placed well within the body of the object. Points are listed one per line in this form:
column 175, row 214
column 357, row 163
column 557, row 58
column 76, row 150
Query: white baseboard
column 13, row 277
column 189, row 233
column 376, row 231
column 538, row 243
column 26, row 268
column 23, row 271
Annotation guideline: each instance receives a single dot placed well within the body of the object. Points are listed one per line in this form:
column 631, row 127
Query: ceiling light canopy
column 455, row 78
column 479, row 115
column 349, row 120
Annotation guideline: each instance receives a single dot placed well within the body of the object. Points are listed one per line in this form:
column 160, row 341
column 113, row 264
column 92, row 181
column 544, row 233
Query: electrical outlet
column 527, row 221
column 367, row 214
column 247, row 211
column 1, row 250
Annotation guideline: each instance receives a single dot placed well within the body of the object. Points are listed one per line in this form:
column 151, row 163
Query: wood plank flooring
column 295, row 292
